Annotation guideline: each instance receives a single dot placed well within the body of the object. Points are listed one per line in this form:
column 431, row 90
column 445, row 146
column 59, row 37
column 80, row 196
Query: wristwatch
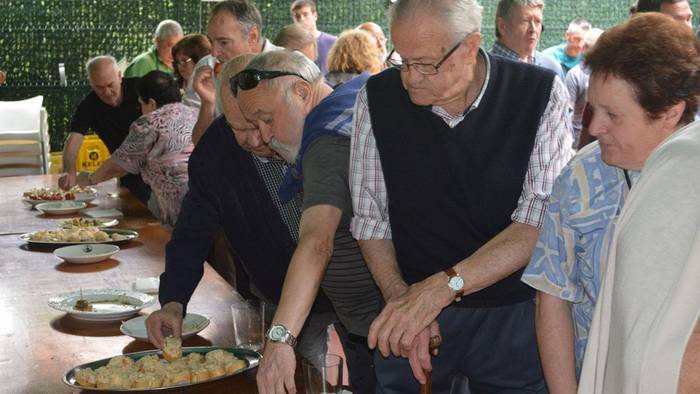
column 280, row 333
column 456, row 283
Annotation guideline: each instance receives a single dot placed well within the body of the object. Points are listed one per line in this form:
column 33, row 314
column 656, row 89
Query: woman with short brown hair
column 644, row 87
column 186, row 53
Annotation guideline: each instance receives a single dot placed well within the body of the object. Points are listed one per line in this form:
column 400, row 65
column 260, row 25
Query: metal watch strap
column 288, row 337
column 452, row 273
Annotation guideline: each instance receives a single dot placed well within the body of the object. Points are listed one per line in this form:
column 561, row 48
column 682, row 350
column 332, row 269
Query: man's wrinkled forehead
column 249, row 102
column 103, row 75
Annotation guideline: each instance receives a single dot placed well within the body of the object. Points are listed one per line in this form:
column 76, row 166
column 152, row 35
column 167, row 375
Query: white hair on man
column 461, row 17
column 289, row 61
column 591, row 36
column 166, row 29
column 96, row 61
column 504, row 8
column 578, row 26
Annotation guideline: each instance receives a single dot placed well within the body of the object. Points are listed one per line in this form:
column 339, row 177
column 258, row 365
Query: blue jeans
column 495, row 348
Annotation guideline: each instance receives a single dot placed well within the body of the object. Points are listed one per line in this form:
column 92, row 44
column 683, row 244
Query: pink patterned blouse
column 158, row 147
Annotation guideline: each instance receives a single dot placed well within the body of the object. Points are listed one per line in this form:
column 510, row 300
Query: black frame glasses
column 249, row 79
column 178, row 63
column 423, row 68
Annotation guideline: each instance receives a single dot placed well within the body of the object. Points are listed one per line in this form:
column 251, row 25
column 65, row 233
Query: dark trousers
column 359, row 360
column 136, row 186
column 495, row 348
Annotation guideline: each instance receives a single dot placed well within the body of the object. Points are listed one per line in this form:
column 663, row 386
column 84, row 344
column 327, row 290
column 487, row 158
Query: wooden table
column 38, row 344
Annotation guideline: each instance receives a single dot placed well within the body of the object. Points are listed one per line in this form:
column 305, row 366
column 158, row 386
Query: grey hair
column 166, row 29
column 295, row 35
column 287, row 60
column 578, row 25
column 93, row 62
column 460, row 17
column 505, row 6
column 245, row 12
column 231, row 68
column 592, row 36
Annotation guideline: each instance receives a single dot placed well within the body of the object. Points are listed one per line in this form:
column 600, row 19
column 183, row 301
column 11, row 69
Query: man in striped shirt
column 309, row 124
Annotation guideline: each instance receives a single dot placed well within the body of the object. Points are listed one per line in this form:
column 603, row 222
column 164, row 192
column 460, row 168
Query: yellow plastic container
column 56, row 160
column 92, row 153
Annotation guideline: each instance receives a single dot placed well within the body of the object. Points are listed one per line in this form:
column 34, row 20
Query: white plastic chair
column 24, row 137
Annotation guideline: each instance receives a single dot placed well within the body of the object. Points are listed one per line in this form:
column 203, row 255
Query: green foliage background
column 37, row 35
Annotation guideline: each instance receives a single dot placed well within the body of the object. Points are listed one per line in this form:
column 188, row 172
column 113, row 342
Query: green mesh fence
column 37, row 35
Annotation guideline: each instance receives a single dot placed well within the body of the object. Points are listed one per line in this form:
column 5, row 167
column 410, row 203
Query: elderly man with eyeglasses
column 309, row 124
column 453, row 158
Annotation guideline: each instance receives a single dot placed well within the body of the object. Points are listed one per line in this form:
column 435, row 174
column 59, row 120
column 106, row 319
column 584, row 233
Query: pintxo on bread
column 148, row 372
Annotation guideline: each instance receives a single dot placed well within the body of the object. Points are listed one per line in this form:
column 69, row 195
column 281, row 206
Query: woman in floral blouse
column 158, row 146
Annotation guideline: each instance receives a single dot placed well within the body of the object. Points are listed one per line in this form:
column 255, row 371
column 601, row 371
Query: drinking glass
column 323, row 374
column 249, row 324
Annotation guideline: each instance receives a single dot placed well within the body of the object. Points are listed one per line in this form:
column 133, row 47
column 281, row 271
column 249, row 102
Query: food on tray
column 147, row 380
column 86, row 377
column 194, row 359
column 173, row 348
column 122, row 372
column 119, row 237
column 86, row 190
column 199, row 373
column 82, row 222
column 85, row 234
column 47, row 194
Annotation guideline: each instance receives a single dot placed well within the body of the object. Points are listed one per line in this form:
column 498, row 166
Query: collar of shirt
column 500, row 50
column 262, row 159
column 156, row 59
column 452, row 120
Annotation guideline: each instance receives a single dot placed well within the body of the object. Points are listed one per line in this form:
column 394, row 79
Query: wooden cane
column 427, row 387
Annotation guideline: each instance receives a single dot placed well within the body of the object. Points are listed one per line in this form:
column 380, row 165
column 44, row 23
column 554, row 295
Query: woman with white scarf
column 647, row 309
column 644, row 87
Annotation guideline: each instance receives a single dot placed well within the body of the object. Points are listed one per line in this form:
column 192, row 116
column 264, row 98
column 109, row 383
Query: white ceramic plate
column 191, row 325
column 84, row 195
column 60, row 207
column 128, row 236
column 105, row 222
column 86, row 254
column 108, row 304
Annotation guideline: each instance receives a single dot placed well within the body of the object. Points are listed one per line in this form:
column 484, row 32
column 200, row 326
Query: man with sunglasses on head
column 518, row 29
column 453, row 158
column 233, row 184
column 307, row 123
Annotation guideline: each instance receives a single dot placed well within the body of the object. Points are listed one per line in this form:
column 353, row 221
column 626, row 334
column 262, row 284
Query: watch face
column 277, row 333
column 456, row 283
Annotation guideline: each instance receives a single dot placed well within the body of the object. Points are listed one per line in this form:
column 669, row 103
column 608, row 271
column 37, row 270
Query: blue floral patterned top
column 578, row 226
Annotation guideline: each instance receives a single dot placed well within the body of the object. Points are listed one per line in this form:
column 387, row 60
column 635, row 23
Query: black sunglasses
column 249, row 79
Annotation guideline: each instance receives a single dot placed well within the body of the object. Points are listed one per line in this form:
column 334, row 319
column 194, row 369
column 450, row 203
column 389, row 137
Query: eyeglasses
column 249, row 79
column 423, row 68
column 178, row 63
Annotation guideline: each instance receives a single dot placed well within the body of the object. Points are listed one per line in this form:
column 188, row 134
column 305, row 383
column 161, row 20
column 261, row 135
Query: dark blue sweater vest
column 451, row 190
